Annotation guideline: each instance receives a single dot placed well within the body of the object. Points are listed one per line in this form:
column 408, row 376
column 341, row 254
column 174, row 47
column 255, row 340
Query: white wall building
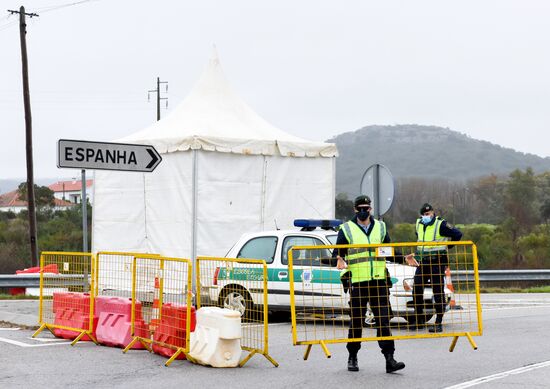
column 71, row 190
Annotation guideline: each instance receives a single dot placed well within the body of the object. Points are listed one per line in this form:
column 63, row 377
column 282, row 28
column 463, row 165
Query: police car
column 317, row 285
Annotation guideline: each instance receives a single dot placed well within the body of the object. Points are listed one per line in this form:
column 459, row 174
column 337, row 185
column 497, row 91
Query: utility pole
column 157, row 91
column 28, row 133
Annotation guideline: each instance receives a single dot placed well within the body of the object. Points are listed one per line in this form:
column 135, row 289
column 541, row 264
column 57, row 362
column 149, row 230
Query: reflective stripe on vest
column 430, row 234
column 363, row 264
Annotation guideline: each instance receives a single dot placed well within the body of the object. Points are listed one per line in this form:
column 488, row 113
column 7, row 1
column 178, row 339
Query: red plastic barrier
column 115, row 322
column 72, row 310
column 172, row 329
column 51, row 268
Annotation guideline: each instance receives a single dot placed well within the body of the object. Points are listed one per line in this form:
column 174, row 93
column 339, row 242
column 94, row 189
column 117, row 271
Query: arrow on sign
column 154, row 157
column 81, row 154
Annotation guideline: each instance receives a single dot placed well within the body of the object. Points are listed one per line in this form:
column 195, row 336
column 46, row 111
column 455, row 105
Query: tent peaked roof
column 212, row 117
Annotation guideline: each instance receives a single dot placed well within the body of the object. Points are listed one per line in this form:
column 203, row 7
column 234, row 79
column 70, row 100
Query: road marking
column 45, row 340
column 21, row 344
column 498, row 376
column 10, row 329
column 534, row 303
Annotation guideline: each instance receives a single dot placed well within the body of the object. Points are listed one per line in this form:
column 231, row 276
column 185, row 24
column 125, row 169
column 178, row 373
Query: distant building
column 71, row 191
column 11, row 202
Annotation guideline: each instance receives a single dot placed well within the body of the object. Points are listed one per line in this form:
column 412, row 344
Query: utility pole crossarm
column 30, row 15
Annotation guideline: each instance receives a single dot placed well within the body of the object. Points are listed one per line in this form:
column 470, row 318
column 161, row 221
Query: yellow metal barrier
column 161, row 305
column 66, row 295
column 405, row 303
column 114, row 273
column 238, row 284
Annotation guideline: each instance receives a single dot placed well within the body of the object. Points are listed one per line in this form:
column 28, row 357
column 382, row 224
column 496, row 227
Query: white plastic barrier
column 216, row 340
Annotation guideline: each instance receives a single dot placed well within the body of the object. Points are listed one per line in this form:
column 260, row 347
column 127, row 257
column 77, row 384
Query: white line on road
column 21, row 344
column 517, row 303
column 9, row 329
column 46, row 340
column 498, row 376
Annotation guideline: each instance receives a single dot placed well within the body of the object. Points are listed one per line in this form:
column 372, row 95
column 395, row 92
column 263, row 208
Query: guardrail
column 503, row 275
column 33, row 280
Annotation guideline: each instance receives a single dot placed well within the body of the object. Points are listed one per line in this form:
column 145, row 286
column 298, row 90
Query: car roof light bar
column 311, row 224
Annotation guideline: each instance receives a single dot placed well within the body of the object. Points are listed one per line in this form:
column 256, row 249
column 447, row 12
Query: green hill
column 411, row 150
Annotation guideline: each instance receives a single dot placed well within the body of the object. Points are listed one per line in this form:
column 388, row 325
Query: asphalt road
column 514, row 352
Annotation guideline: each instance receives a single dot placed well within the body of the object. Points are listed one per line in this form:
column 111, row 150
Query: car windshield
column 332, row 238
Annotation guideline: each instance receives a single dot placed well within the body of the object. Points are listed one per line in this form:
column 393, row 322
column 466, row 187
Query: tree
column 489, row 205
column 344, row 207
column 520, row 199
column 44, row 196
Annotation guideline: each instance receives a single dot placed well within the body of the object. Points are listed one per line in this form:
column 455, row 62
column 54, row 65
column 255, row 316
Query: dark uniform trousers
column 431, row 269
column 376, row 294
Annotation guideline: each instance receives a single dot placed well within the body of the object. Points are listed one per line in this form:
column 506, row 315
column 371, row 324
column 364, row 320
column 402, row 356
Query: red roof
column 11, row 199
column 69, row 186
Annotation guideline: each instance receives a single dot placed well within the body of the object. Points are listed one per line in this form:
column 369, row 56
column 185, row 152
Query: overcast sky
column 312, row 68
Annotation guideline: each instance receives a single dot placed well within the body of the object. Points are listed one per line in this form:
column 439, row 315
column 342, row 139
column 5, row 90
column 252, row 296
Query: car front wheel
column 237, row 299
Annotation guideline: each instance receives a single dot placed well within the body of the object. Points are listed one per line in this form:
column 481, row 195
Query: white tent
column 224, row 171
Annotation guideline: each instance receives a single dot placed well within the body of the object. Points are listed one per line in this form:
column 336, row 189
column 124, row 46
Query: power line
column 42, row 11
column 56, row 7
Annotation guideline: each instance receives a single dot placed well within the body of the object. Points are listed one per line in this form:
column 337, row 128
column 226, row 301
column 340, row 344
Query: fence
column 66, row 305
column 114, row 273
column 162, row 312
column 399, row 301
column 238, row 284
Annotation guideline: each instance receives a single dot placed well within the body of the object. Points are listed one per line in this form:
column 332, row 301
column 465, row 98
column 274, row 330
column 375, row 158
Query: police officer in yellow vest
column 433, row 261
column 368, row 280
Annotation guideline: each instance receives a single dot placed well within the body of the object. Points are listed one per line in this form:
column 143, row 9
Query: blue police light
column 311, row 224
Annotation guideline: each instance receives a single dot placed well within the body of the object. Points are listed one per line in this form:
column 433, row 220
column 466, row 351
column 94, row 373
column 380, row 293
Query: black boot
column 392, row 365
column 352, row 363
column 438, row 327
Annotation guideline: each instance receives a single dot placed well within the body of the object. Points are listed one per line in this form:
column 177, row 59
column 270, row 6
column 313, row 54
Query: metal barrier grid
column 322, row 312
column 239, row 284
column 161, row 305
column 66, row 306
column 114, row 273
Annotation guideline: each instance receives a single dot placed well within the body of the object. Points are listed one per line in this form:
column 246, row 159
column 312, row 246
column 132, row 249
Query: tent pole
column 264, row 184
column 333, row 211
column 194, row 218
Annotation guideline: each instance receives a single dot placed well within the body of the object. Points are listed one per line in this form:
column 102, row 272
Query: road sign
column 377, row 183
column 82, row 154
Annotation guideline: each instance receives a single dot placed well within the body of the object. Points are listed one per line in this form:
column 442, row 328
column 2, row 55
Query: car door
column 263, row 247
column 316, row 285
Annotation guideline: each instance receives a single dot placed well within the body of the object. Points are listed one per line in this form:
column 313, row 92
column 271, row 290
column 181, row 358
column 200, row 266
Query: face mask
column 362, row 215
column 426, row 219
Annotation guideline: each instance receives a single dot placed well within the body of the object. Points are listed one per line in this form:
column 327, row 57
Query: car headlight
column 408, row 284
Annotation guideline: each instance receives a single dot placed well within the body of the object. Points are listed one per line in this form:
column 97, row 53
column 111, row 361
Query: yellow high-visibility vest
column 363, row 263
column 430, row 234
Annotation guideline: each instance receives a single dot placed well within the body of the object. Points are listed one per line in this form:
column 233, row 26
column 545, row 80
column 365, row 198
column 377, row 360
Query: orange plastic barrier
column 72, row 310
column 115, row 321
column 172, row 329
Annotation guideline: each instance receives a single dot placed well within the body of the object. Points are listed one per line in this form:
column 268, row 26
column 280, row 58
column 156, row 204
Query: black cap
column 425, row 208
column 361, row 200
